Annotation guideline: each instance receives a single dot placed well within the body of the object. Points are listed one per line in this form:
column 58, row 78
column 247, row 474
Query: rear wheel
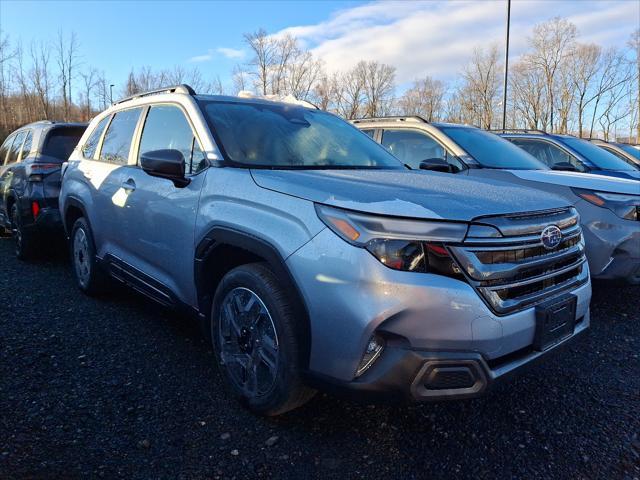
column 23, row 240
column 256, row 342
column 89, row 276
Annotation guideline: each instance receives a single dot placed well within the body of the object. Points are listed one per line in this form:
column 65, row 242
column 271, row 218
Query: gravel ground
column 119, row 387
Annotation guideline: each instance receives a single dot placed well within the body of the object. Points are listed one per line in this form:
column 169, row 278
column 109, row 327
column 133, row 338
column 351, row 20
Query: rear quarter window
column 60, row 142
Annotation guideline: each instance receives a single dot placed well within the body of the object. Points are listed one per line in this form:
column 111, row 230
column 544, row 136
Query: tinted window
column 492, row 151
column 371, row 133
column 618, row 154
column 630, row 150
column 596, row 155
column 14, row 151
column 413, row 147
column 61, row 141
column 547, row 152
column 290, row 136
column 166, row 127
column 5, row 148
column 117, row 140
column 90, row 146
column 26, row 146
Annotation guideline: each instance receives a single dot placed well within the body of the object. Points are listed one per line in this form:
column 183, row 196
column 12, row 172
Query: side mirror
column 564, row 166
column 436, row 165
column 167, row 164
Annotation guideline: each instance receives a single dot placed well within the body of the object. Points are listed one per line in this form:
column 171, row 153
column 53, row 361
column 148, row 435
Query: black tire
column 25, row 243
column 89, row 276
column 287, row 390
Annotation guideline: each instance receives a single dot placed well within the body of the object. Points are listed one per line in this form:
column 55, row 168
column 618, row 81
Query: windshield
column 492, row 151
column 634, row 152
column 602, row 159
column 289, row 136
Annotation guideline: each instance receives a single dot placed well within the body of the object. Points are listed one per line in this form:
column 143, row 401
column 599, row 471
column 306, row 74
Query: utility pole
column 506, row 68
column 111, row 92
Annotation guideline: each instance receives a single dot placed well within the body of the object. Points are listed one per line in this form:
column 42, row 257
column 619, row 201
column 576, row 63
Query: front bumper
column 350, row 295
column 405, row 375
column 612, row 244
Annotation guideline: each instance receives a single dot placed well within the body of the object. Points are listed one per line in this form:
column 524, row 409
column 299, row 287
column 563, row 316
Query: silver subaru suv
column 313, row 258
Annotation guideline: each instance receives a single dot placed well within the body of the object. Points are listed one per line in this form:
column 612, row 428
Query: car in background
column 566, row 152
column 624, row 151
column 30, row 163
column 312, row 257
column 609, row 207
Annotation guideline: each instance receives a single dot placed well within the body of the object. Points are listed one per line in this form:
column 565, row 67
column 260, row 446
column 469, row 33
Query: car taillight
column 35, row 209
column 39, row 170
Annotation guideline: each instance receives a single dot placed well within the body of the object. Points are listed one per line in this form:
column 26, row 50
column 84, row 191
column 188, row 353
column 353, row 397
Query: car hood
column 588, row 181
column 407, row 193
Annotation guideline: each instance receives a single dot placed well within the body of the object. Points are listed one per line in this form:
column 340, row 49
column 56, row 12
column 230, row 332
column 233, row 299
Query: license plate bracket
column 555, row 321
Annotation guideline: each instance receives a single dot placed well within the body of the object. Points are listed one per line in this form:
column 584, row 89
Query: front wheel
column 255, row 338
column 89, row 277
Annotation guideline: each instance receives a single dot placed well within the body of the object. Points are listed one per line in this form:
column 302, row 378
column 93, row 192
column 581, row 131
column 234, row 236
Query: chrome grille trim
column 514, row 272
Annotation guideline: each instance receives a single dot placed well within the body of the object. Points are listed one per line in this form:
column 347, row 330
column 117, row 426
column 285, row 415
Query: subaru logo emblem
column 551, row 237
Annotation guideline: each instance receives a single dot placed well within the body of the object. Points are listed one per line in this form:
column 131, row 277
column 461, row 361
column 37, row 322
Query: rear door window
column 14, row 151
column 26, row 146
column 370, row 132
column 413, row 147
column 117, row 141
column 547, row 152
column 61, row 141
column 166, row 127
column 91, row 145
column 4, row 149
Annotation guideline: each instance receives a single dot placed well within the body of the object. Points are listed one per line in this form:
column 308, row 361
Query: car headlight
column 622, row 204
column 400, row 244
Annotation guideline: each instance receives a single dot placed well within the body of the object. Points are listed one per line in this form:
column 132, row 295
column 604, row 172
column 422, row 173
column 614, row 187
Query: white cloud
column 437, row 38
column 202, row 58
column 231, row 52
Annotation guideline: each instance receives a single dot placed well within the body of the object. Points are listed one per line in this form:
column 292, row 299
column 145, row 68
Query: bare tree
column 66, row 59
column 264, row 54
column 379, row 87
column 40, row 77
column 425, row 98
column 240, row 78
column 351, row 93
column 634, row 44
column 216, row 87
column 325, row 92
column 527, row 89
column 614, row 71
column 584, row 66
column 89, row 82
column 7, row 54
column 552, row 42
column 480, row 92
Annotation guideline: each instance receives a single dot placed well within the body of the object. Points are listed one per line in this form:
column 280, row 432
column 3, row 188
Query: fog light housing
column 372, row 352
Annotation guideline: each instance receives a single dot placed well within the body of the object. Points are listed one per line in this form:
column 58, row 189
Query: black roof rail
column 397, row 118
column 518, row 130
column 182, row 88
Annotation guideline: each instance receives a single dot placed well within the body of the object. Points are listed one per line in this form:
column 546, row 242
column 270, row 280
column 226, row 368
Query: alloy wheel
column 248, row 342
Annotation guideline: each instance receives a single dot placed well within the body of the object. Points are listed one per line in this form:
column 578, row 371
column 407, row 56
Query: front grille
column 515, row 271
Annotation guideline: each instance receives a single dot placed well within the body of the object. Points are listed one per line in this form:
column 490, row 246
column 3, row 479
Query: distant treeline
column 558, row 85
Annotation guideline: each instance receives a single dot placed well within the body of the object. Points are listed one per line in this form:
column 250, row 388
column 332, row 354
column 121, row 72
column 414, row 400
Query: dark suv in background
column 30, row 162
column 566, row 152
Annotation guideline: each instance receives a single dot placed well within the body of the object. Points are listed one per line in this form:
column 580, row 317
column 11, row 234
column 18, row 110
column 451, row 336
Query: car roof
column 250, row 101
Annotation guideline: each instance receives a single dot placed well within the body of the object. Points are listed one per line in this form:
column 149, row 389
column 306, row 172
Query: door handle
column 129, row 185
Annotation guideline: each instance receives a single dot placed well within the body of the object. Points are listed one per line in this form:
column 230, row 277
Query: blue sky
column 417, row 37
